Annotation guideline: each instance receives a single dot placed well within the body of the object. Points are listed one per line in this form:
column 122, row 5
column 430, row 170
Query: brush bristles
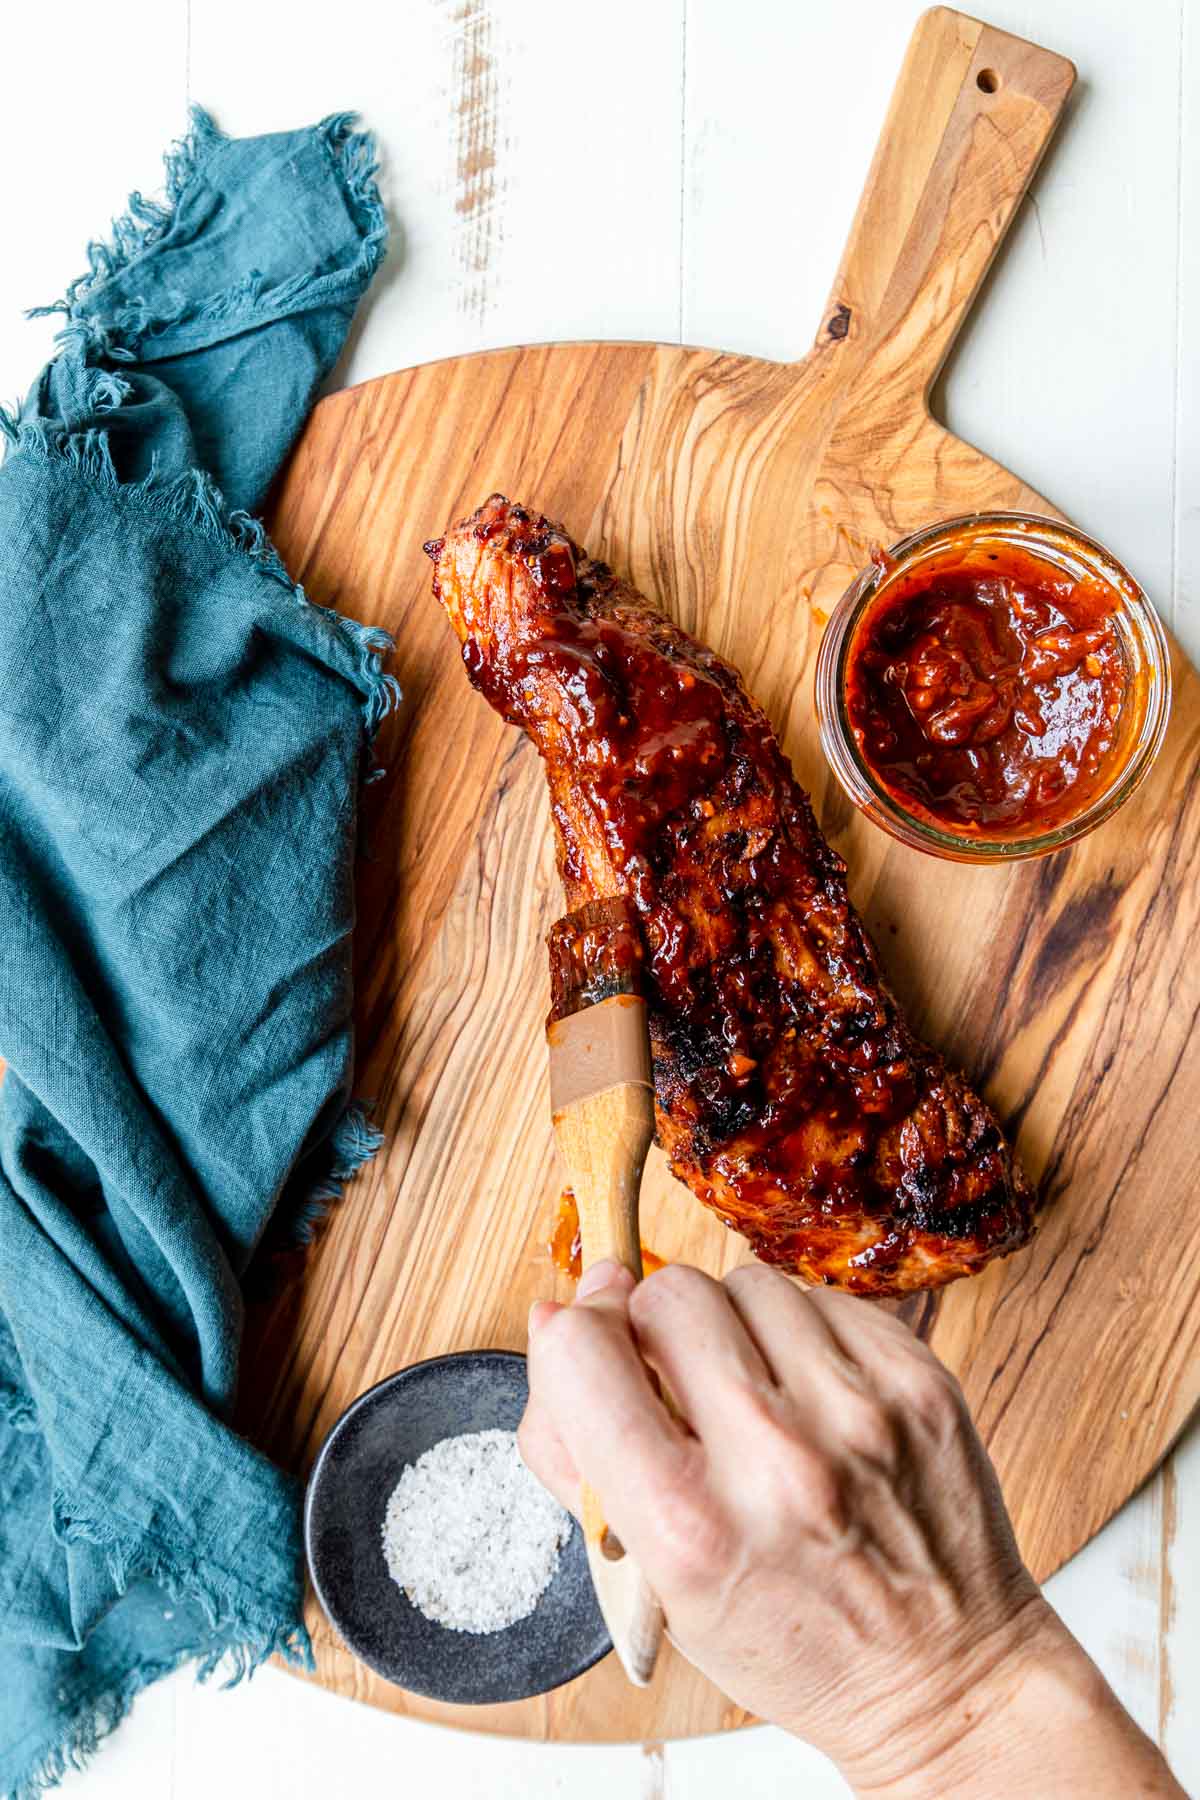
column 595, row 953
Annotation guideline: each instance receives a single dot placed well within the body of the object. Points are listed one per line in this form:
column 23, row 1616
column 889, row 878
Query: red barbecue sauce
column 988, row 697
column 566, row 1244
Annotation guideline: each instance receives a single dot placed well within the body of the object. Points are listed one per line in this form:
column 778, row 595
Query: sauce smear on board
column 566, row 1244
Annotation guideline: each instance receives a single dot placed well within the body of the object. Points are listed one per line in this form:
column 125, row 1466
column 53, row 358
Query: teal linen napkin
column 182, row 737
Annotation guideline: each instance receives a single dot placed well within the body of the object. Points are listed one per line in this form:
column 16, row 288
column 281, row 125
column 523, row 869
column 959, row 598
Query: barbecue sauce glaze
column 791, row 1095
column 988, row 698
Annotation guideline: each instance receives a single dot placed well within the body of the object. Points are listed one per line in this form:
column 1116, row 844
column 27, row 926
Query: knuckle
column 816, row 1484
column 850, row 1310
column 574, row 1335
column 749, row 1278
column 557, row 1333
column 934, row 1397
column 673, row 1282
column 804, row 1489
column 871, row 1429
column 794, row 1476
column 764, row 1416
column 693, row 1536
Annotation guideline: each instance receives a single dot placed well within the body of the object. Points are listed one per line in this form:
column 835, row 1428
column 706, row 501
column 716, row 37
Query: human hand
column 825, row 1531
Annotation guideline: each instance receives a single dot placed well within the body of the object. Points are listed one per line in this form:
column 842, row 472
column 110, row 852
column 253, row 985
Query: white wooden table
column 681, row 170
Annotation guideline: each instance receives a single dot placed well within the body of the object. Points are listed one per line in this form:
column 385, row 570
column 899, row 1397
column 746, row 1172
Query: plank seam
column 1166, row 1597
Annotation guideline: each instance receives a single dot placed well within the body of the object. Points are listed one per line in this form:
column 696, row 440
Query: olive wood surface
column 744, row 496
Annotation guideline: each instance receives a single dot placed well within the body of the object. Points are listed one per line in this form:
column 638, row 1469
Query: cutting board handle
column 972, row 112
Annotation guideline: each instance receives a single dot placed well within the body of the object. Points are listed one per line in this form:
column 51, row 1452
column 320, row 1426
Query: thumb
column 605, row 1285
column 603, row 1288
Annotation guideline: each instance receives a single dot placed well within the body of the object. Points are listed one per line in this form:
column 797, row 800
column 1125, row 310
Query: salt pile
column 470, row 1535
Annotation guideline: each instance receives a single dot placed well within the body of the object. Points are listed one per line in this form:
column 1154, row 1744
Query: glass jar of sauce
column 993, row 687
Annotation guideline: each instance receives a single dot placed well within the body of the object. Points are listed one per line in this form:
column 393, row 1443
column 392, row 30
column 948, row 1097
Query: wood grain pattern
column 744, row 496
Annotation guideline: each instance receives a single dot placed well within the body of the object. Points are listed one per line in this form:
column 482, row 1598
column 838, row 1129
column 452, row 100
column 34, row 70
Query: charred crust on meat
column 792, row 1096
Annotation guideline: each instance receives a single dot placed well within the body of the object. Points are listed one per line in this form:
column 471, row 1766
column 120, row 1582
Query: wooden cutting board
column 744, row 495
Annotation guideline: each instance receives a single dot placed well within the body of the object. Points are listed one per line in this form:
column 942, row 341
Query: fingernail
column 539, row 1312
column 601, row 1275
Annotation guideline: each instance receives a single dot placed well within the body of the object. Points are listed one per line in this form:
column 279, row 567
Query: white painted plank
column 1187, row 405
column 784, row 105
column 1179, row 1686
column 532, row 175
column 592, row 153
column 1066, row 369
column 1179, row 1714
column 138, row 1761
column 1110, row 1596
column 281, row 1739
column 73, row 145
column 758, row 1764
column 258, row 68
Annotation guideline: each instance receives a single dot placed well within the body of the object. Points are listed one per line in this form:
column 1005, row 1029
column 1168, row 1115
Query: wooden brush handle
column 603, row 1139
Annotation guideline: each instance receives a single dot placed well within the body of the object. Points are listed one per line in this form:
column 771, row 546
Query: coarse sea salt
column 471, row 1535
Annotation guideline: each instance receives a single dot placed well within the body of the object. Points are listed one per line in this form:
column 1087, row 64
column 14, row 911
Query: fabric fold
column 182, row 740
column 203, row 328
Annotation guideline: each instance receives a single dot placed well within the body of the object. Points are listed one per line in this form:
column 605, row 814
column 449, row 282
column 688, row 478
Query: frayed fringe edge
column 194, row 499
column 354, row 1142
column 102, row 1713
column 253, row 1635
column 147, row 222
column 252, row 1640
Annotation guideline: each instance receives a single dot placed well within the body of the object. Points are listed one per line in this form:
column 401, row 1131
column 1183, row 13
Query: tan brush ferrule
column 602, row 1047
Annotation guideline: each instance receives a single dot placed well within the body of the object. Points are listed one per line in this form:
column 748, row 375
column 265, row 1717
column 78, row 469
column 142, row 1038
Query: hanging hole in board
column 611, row 1547
column 987, row 81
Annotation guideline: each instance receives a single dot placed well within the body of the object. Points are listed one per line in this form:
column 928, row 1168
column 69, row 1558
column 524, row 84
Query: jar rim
column 850, row 767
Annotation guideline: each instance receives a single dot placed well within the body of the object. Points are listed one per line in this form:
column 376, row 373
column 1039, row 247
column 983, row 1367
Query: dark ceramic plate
column 359, row 1464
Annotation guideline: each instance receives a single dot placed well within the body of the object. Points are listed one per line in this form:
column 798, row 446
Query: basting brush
column 602, row 1099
